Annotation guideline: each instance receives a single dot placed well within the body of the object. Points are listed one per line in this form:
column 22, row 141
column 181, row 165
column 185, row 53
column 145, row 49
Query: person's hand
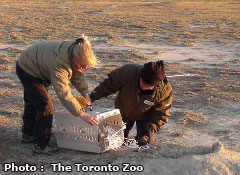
column 90, row 119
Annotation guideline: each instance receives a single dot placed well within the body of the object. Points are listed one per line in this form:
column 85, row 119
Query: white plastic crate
column 74, row 133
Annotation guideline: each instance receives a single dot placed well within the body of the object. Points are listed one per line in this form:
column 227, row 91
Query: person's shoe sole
column 39, row 151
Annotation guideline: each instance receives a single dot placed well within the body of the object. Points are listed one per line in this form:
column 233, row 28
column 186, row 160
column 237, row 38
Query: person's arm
column 159, row 115
column 79, row 82
column 60, row 82
column 110, row 85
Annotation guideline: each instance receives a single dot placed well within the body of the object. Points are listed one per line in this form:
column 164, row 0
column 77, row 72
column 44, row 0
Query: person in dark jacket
column 144, row 96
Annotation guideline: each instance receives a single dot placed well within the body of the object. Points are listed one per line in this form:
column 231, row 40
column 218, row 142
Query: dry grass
column 176, row 20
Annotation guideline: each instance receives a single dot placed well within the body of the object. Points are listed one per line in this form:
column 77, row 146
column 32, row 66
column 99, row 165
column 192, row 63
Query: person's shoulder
column 163, row 91
column 127, row 70
column 54, row 43
column 45, row 44
column 164, row 87
column 131, row 67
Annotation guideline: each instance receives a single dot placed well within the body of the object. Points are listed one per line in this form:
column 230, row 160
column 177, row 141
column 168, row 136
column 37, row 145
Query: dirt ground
column 198, row 38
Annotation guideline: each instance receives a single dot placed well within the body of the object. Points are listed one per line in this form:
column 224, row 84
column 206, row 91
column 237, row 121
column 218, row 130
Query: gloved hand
column 88, row 99
column 143, row 141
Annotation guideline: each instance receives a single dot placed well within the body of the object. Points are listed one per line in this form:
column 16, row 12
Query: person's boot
column 26, row 138
column 47, row 150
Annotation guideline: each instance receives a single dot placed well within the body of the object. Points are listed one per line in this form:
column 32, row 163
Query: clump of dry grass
column 188, row 43
column 235, row 61
column 157, row 52
column 192, row 119
column 175, row 39
column 4, row 58
column 115, row 39
column 139, row 55
column 195, row 59
column 6, row 67
column 8, row 122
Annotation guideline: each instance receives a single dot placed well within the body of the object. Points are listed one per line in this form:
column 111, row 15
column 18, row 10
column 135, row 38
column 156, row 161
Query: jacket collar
column 64, row 50
column 70, row 53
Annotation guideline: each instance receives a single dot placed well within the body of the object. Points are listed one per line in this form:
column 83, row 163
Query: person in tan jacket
column 144, row 96
column 57, row 64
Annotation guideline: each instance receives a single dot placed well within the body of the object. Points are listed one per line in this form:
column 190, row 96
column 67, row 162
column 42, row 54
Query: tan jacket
column 52, row 63
column 134, row 105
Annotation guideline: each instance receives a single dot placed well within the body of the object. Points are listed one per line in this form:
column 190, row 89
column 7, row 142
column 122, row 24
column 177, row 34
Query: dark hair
column 153, row 72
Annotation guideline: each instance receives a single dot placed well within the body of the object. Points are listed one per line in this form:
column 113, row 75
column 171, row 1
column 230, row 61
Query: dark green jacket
column 133, row 105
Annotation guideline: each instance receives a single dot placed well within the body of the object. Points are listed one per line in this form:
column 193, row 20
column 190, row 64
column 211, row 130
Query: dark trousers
column 141, row 125
column 38, row 108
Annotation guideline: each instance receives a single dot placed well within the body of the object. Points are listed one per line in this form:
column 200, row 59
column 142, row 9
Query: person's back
column 39, row 59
